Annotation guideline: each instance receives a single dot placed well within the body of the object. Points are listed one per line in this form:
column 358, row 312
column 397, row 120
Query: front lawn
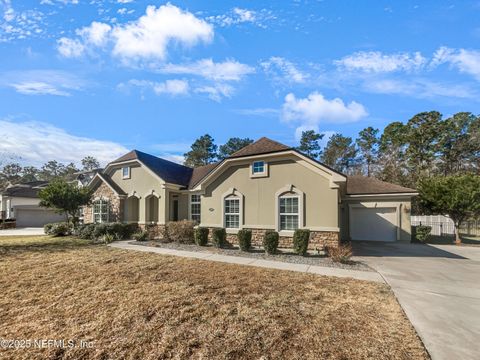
column 146, row 306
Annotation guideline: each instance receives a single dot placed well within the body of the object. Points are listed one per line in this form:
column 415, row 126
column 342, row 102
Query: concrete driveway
column 33, row 231
column 439, row 289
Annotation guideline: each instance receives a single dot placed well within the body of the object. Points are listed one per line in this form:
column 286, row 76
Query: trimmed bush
column 201, row 236
column 181, row 231
column 58, row 229
column 47, row 228
column 300, row 241
column 245, row 239
column 340, row 254
column 140, row 235
column 219, row 237
column 85, row 231
column 421, row 233
column 270, row 242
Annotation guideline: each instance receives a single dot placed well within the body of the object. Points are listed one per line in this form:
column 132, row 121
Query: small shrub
column 245, row 239
column 181, row 231
column 47, row 228
column 421, row 233
column 340, row 254
column 58, row 229
column 300, row 241
column 270, row 242
column 85, row 231
column 219, row 237
column 201, row 236
column 108, row 238
column 141, row 235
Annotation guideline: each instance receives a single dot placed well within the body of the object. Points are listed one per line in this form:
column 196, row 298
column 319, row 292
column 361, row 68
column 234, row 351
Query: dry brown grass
column 146, row 306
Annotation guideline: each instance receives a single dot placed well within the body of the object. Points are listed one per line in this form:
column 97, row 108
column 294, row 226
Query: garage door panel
column 373, row 224
column 36, row 218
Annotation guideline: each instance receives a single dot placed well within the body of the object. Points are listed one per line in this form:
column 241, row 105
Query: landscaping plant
column 421, row 233
column 245, row 239
column 180, row 231
column 58, row 229
column 140, row 235
column 300, row 241
column 270, row 242
column 201, row 236
column 219, row 237
column 340, row 254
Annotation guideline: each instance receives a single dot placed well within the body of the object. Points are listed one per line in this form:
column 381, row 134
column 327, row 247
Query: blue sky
column 103, row 77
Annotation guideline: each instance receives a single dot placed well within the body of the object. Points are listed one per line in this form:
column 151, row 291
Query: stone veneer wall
column 116, row 204
column 318, row 239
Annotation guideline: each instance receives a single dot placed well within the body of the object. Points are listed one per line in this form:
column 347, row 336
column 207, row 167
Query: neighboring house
column 266, row 185
column 21, row 201
column 83, row 178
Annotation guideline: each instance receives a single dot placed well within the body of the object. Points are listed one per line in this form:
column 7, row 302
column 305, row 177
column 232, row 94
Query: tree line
column 14, row 173
column 426, row 145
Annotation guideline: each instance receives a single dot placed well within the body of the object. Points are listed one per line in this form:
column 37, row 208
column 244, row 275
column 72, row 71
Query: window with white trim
column 258, row 167
column 232, row 212
column 101, row 210
column 195, row 207
column 126, row 172
column 288, row 212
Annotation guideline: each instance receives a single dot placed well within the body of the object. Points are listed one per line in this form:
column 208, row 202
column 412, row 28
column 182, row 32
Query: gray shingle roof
column 28, row 189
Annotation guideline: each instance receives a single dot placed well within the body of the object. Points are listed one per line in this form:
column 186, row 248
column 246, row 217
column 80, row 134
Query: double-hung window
column 126, row 172
column 100, row 211
column 232, row 212
column 195, row 207
column 288, row 212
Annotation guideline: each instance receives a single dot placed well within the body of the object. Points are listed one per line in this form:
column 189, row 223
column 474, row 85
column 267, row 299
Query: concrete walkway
column 439, row 289
column 311, row 269
column 22, row 231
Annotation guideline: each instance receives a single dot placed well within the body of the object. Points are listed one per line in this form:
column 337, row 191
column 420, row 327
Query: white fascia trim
column 335, row 177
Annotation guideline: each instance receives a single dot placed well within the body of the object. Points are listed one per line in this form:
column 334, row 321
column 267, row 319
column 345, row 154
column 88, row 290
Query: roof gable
column 168, row 171
column 99, row 177
column 261, row 146
column 363, row 185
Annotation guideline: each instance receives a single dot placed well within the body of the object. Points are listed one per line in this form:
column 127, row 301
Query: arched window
column 232, row 209
column 101, row 211
column 289, row 209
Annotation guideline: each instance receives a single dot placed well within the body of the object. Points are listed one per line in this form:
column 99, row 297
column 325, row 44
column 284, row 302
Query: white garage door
column 374, row 224
column 36, row 218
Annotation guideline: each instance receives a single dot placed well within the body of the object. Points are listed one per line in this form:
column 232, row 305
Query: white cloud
column 282, row 69
column 172, row 87
column 149, row 36
column 420, row 88
column 377, row 62
column 37, row 142
column 240, row 16
column 96, row 34
column 16, row 25
column 229, row 70
column 308, row 113
column 124, row 1
column 466, row 61
column 43, row 82
column 38, row 88
column 70, row 47
column 145, row 39
column 217, row 91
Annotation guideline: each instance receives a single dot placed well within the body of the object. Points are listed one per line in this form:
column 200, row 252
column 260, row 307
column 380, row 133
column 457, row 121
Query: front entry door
column 175, row 210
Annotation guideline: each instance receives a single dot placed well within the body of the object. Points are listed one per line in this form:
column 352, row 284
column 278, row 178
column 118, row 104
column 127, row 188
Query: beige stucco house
column 266, row 185
column 21, row 202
